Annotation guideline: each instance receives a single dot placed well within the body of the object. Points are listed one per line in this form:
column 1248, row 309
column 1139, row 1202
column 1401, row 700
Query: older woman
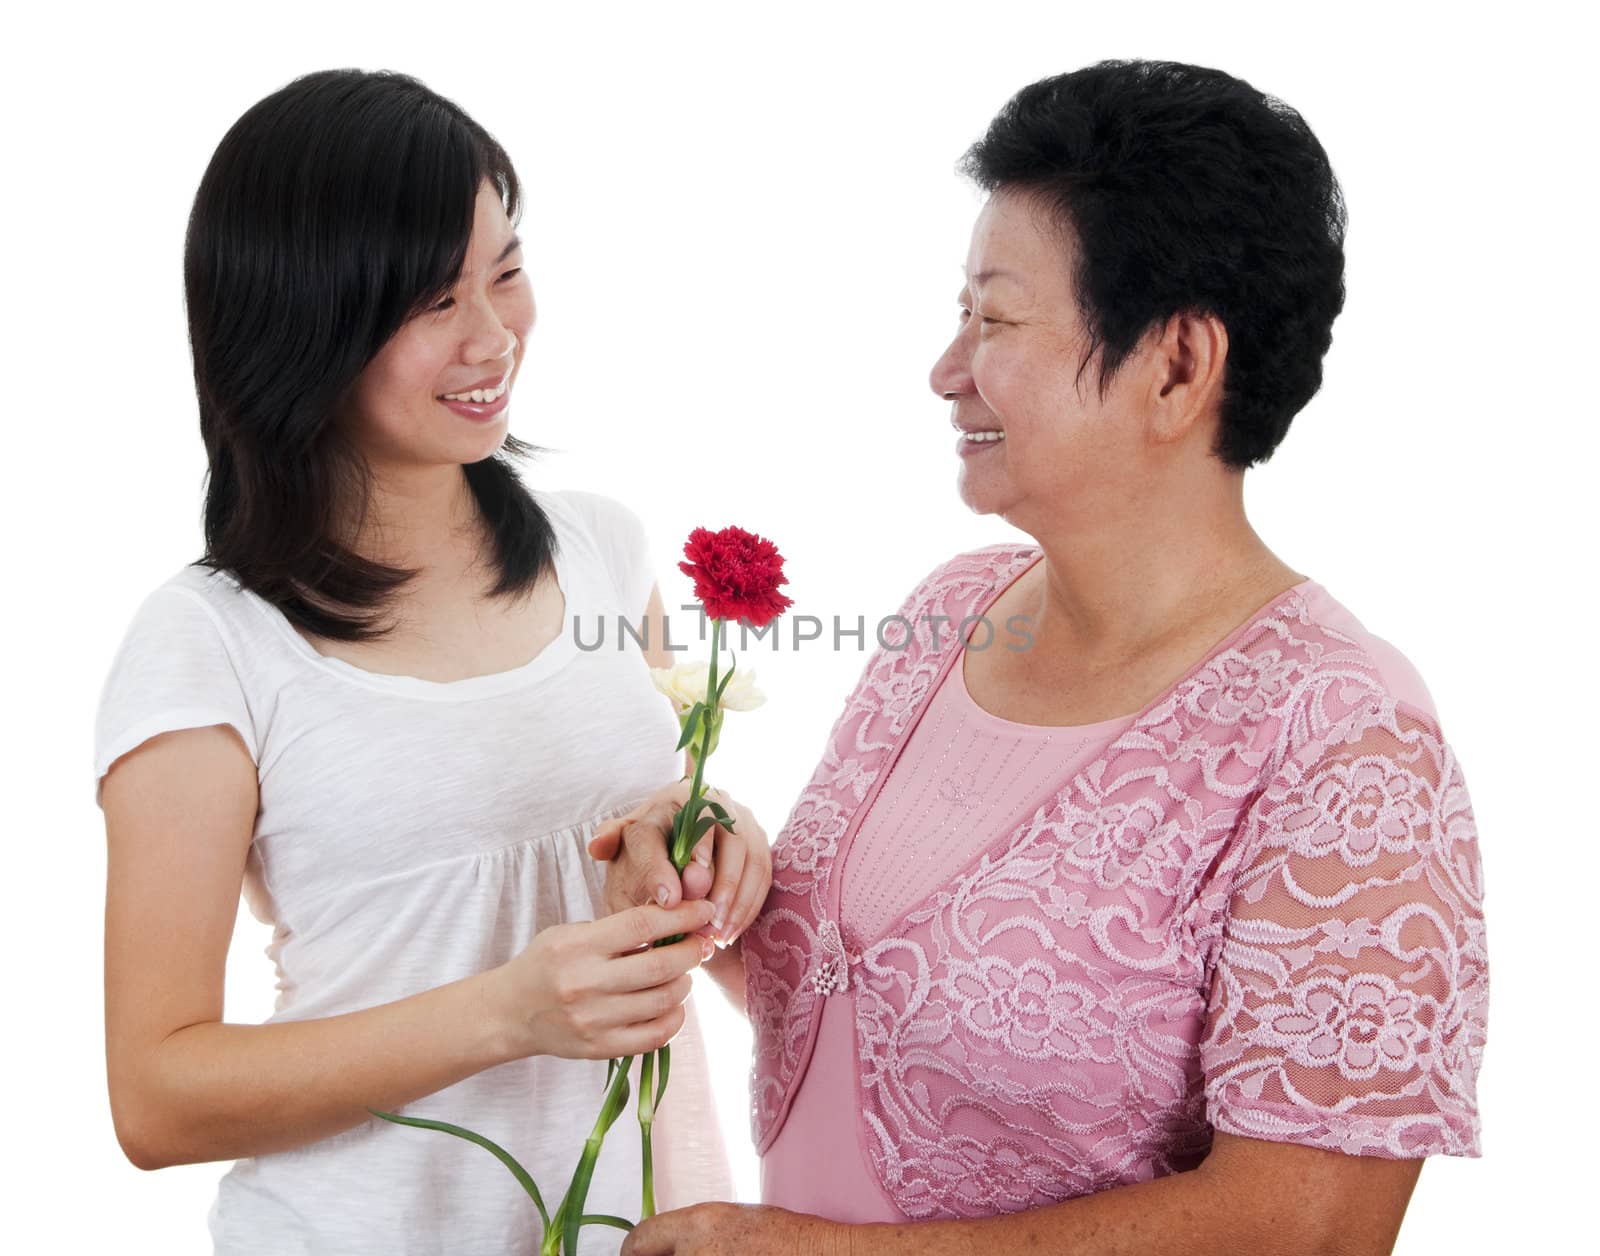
column 1164, row 932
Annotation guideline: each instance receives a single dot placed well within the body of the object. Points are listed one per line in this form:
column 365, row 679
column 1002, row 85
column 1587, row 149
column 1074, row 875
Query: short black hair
column 1186, row 190
column 332, row 211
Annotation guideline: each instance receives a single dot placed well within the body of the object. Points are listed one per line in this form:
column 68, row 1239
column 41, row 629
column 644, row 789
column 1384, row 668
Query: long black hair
column 1186, row 190
column 332, row 211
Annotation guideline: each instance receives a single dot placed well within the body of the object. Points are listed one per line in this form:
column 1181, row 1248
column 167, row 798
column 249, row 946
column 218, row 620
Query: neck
column 420, row 517
column 1150, row 568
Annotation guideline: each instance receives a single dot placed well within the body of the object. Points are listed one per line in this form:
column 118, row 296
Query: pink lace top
column 962, row 772
column 1256, row 908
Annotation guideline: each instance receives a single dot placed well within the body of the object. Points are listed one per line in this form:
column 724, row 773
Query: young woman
column 364, row 705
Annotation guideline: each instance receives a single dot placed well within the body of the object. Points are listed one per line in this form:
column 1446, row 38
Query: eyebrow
column 983, row 276
column 512, row 245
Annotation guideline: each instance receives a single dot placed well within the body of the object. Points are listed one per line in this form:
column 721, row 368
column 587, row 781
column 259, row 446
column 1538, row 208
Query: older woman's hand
column 733, row 869
column 729, row 1229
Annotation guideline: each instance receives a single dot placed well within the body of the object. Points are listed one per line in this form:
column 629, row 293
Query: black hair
column 1186, row 190
column 332, row 211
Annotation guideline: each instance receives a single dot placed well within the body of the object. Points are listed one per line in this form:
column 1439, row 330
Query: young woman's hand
column 598, row 989
column 733, row 869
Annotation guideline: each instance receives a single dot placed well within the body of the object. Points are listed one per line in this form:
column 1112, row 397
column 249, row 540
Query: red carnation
column 736, row 575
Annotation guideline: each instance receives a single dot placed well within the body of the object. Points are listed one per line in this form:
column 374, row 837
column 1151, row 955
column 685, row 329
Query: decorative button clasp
column 830, row 970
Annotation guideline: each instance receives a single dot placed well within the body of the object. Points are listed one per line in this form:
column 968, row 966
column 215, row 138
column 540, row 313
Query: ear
column 1191, row 352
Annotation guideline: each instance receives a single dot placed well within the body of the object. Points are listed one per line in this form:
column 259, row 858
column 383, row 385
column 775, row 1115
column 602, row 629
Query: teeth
column 984, row 436
column 479, row 395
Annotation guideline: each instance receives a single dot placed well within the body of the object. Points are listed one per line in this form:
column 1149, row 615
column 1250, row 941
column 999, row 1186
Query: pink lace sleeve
column 1349, row 994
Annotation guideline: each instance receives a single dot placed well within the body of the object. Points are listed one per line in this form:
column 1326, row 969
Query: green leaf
column 661, row 1077
column 691, row 724
column 500, row 1153
column 600, row 1218
column 701, row 825
column 616, row 1099
column 721, row 813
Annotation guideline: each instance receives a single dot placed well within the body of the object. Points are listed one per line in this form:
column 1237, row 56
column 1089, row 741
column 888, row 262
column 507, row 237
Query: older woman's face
column 414, row 403
column 1012, row 372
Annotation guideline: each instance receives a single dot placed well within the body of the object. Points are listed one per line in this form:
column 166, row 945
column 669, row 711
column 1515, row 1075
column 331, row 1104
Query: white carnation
column 685, row 684
column 741, row 693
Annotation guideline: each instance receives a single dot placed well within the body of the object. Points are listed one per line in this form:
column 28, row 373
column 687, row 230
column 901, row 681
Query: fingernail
column 708, row 948
column 718, row 914
column 662, row 895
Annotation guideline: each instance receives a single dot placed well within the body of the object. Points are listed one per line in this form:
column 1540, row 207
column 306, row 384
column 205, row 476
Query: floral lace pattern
column 1260, row 910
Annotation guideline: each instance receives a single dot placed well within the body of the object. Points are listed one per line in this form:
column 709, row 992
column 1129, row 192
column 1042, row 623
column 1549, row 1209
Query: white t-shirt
column 411, row 833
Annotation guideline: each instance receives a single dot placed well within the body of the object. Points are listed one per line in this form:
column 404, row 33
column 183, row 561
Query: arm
column 185, row 1087
column 1271, row 1199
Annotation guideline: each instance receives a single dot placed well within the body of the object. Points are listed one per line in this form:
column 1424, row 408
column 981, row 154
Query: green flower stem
column 681, row 844
column 561, row 1239
column 647, row 1119
column 681, row 849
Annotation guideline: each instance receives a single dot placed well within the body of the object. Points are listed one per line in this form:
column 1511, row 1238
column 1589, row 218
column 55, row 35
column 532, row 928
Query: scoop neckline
column 554, row 655
column 1116, row 723
column 970, row 710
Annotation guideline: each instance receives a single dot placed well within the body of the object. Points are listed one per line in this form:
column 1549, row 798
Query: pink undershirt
column 964, row 778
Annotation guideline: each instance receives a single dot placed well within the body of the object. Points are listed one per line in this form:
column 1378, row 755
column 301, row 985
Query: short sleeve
column 171, row 671
column 625, row 547
column 1349, row 995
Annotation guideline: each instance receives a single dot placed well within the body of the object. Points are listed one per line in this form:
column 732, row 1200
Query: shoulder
column 1358, row 771
column 182, row 662
column 193, row 598
column 970, row 573
column 1371, row 671
column 603, row 518
column 605, row 531
column 1343, row 727
column 198, row 625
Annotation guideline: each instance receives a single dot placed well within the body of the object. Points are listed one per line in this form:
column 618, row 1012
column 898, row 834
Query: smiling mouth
column 479, row 396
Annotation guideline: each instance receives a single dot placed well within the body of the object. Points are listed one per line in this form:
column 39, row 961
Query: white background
column 745, row 235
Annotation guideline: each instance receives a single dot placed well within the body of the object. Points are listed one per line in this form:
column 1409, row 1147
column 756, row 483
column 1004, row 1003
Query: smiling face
column 1013, row 369
column 439, row 391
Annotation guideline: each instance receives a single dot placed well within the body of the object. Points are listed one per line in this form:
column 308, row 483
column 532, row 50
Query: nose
column 951, row 376
column 487, row 339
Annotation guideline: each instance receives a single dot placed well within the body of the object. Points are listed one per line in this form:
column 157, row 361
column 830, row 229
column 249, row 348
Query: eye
column 442, row 306
column 512, row 273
